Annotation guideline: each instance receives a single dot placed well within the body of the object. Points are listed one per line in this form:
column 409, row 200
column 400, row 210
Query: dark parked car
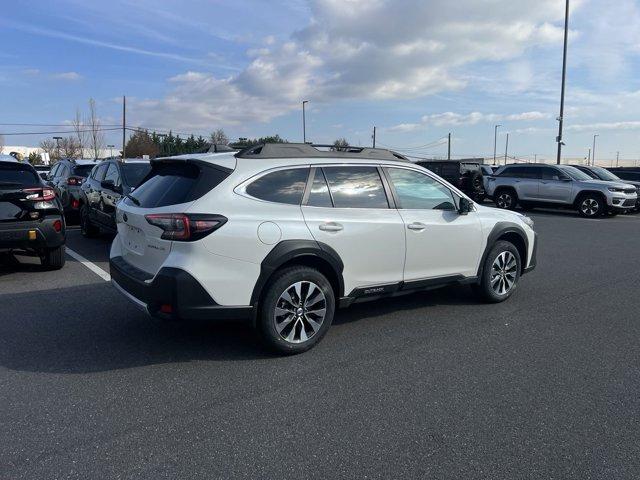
column 104, row 187
column 466, row 175
column 600, row 173
column 66, row 177
column 627, row 173
column 43, row 171
column 31, row 218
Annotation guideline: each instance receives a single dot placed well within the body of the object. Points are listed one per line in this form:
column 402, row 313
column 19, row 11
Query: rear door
column 110, row 196
column 172, row 187
column 555, row 186
column 92, row 191
column 347, row 209
column 527, row 182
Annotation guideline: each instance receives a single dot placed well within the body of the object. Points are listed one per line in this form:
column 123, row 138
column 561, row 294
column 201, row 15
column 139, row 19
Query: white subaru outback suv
column 284, row 234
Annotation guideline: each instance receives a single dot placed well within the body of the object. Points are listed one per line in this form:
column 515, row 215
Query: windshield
column 575, row 173
column 135, row 172
column 604, row 174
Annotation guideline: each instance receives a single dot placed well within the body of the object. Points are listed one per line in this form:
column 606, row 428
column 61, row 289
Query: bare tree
column 70, row 148
column 96, row 136
column 80, row 131
column 218, row 137
column 340, row 144
column 50, row 147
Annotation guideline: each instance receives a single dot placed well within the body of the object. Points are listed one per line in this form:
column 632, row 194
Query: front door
column 555, row 186
column 440, row 241
column 347, row 209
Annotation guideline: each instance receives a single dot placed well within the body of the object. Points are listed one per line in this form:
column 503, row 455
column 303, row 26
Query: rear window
column 135, row 172
column 16, row 175
column 175, row 183
column 82, row 170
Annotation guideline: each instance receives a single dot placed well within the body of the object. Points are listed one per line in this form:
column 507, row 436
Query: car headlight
column 528, row 221
column 616, row 190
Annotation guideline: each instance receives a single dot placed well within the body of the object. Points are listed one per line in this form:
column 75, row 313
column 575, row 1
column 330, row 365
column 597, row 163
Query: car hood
column 605, row 183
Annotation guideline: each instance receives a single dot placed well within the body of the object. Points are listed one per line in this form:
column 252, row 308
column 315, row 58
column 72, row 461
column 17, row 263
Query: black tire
column 506, row 198
column 53, row 258
column 88, row 229
column 274, row 329
column 486, row 288
column 591, row 206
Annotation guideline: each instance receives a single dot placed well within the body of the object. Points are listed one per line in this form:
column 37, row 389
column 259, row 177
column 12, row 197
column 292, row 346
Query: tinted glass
column 54, row 171
column 63, row 172
column 112, row 174
column 604, row 174
column 16, row 175
column 551, row 174
column 99, row 173
column 356, row 187
column 282, row 186
column 174, row 183
column 575, row 173
column 82, row 170
column 319, row 195
column 134, row 172
column 418, row 191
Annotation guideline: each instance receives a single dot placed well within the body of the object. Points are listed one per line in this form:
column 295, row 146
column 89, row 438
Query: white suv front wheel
column 500, row 273
column 297, row 310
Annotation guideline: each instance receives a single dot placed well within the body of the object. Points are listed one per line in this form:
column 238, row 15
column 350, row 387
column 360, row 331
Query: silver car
column 560, row 186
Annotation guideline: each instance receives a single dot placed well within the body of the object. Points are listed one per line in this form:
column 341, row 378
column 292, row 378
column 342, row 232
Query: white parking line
column 90, row 265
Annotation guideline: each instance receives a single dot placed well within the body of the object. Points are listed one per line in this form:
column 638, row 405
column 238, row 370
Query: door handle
column 417, row 226
column 331, row 227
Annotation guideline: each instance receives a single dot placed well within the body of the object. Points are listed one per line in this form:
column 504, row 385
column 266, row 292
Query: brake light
column 40, row 194
column 57, row 225
column 185, row 227
column 75, row 180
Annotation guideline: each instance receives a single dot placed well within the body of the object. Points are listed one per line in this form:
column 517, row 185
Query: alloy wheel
column 504, row 200
column 300, row 311
column 590, row 207
column 503, row 273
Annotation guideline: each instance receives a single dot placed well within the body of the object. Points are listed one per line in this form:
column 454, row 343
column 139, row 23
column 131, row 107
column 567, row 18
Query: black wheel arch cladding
column 507, row 231
column 304, row 251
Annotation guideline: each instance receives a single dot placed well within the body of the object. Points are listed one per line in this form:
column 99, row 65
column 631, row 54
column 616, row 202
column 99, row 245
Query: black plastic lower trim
column 174, row 287
column 15, row 235
column 534, row 255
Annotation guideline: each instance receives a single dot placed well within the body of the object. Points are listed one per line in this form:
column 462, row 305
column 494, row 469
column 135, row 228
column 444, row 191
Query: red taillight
column 185, row 228
column 40, row 194
column 74, row 180
column 57, row 225
column 75, row 204
column 166, row 308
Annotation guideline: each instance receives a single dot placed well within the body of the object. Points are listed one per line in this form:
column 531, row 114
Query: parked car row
column 588, row 190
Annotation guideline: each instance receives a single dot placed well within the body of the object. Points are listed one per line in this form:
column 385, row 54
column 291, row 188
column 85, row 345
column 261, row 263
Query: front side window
column 100, row 171
column 418, row 191
column 356, row 187
column 549, row 173
column 281, row 186
column 112, row 174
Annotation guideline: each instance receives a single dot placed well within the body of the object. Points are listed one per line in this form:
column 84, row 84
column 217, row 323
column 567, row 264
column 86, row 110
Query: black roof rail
column 307, row 150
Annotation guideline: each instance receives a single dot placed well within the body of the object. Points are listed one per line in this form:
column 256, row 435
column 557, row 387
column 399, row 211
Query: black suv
column 108, row 182
column 31, row 218
column 464, row 174
column 66, row 177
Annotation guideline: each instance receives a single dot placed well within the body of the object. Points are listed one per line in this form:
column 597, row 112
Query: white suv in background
column 283, row 234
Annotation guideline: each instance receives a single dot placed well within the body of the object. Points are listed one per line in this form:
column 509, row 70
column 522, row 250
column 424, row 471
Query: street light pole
column 564, row 76
column 304, row 122
column 57, row 139
column 110, row 147
column 506, row 149
column 593, row 152
column 495, row 142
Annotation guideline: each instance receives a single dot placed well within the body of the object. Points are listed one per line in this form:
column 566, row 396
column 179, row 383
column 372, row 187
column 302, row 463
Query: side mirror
column 464, row 206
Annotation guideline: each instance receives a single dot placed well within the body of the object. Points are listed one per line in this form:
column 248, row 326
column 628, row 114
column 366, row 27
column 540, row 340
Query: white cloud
column 595, row 127
column 363, row 49
column 71, row 76
column 473, row 118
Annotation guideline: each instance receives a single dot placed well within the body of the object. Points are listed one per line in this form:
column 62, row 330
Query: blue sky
column 416, row 69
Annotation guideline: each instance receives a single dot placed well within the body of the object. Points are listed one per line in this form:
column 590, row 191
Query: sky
column 416, row 69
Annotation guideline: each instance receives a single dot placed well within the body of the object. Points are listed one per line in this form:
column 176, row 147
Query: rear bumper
column 16, row 235
column 181, row 295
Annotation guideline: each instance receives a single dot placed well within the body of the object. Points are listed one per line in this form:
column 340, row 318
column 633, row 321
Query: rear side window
column 281, row 186
column 17, row 175
column 319, row 195
column 356, row 187
column 172, row 183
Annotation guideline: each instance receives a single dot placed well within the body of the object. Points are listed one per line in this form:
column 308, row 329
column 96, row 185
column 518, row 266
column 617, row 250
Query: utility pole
column 535, row 158
column 57, row 139
column 564, row 77
column 617, row 159
column 124, row 126
column 449, row 148
column 506, row 149
column 593, row 152
column 374, row 137
column 304, row 122
column 495, row 142
column 589, row 157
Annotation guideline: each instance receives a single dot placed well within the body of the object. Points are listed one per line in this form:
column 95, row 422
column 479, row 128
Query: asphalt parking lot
column 432, row 385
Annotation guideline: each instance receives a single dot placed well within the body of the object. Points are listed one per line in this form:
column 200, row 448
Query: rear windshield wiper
column 133, row 199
